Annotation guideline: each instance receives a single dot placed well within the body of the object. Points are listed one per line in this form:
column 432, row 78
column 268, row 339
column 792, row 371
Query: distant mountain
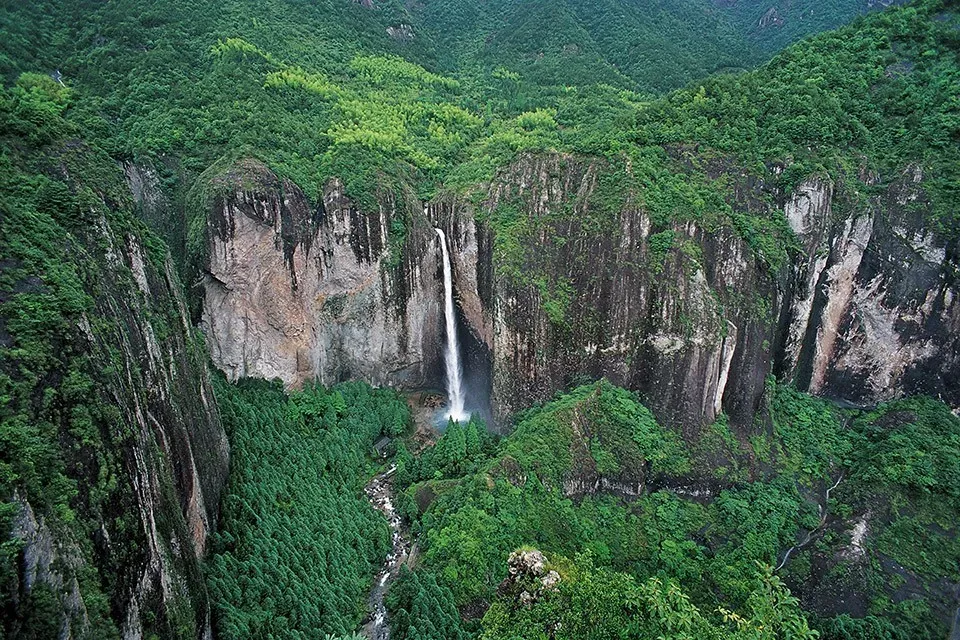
column 650, row 46
column 770, row 25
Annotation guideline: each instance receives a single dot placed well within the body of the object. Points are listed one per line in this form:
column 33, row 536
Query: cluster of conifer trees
column 299, row 541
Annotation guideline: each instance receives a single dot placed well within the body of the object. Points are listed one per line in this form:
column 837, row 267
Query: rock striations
column 865, row 309
column 297, row 292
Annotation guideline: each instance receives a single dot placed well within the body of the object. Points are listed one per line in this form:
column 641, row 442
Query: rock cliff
column 674, row 321
column 871, row 311
column 863, row 309
column 97, row 353
column 298, row 292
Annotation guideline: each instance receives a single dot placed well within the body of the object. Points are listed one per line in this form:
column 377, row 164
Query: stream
column 823, row 513
column 380, row 493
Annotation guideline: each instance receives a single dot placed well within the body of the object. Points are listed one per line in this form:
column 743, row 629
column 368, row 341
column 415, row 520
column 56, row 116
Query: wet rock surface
column 380, row 493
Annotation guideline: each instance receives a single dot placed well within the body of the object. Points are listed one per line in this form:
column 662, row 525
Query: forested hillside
column 298, row 542
column 641, row 550
column 707, row 290
column 179, row 85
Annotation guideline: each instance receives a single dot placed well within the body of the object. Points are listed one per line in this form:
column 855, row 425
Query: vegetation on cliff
column 98, row 426
column 650, row 535
column 182, row 89
column 595, row 483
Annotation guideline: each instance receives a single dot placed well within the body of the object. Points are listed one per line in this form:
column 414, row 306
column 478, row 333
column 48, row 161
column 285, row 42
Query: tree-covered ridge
column 87, row 295
column 187, row 85
column 868, row 99
column 652, row 48
column 595, row 603
column 771, row 27
column 185, row 90
column 41, row 297
column 801, row 493
column 299, row 541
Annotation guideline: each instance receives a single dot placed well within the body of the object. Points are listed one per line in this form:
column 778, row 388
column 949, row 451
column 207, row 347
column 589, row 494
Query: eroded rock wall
column 687, row 314
column 865, row 310
column 139, row 440
column 678, row 326
column 873, row 300
column 329, row 293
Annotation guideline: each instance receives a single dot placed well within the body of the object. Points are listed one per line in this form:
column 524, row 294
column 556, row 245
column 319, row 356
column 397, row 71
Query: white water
column 380, row 492
column 455, row 395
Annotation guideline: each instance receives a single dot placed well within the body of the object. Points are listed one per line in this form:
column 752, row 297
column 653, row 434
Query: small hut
column 380, row 446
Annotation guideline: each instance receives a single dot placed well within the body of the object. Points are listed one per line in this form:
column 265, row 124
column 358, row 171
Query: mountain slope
column 797, row 221
column 112, row 453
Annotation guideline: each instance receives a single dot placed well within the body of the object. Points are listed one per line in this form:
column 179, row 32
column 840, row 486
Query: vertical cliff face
column 109, row 519
column 668, row 311
column 866, row 310
column 683, row 312
column 873, row 311
column 297, row 292
column 173, row 450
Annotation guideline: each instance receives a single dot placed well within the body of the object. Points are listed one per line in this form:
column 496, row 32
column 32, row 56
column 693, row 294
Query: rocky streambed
column 380, row 493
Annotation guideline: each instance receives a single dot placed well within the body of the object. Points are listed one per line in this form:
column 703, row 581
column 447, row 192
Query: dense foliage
column 73, row 397
column 595, row 603
column 332, row 88
column 183, row 85
column 41, row 297
column 421, row 609
column 711, row 557
column 299, row 541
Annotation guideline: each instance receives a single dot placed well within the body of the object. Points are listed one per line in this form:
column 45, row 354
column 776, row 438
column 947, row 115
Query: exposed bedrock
column 685, row 313
column 296, row 292
column 676, row 323
column 865, row 310
column 873, row 311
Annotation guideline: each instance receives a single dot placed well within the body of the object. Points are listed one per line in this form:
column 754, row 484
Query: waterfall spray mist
column 455, row 395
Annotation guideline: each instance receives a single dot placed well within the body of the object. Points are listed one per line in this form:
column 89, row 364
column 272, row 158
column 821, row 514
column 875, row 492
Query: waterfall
column 452, row 353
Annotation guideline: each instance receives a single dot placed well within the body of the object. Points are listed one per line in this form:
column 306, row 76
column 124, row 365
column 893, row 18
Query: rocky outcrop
column 865, row 310
column 873, row 309
column 865, row 307
column 528, row 577
column 771, row 18
column 135, row 436
column 298, row 292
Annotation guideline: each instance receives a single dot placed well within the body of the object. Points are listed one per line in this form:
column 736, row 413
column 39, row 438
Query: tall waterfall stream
column 455, row 393
column 380, row 491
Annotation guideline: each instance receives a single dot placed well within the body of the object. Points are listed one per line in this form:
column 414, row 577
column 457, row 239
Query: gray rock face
column 873, row 307
column 664, row 322
column 866, row 310
column 302, row 294
column 52, row 562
